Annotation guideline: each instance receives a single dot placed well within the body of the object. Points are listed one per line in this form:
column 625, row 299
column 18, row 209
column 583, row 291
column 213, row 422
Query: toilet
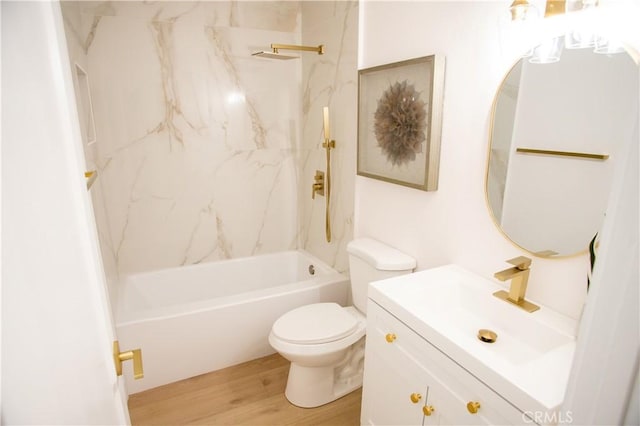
column 325, row 341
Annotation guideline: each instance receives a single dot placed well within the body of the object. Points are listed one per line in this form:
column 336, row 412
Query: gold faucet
column 519, row 275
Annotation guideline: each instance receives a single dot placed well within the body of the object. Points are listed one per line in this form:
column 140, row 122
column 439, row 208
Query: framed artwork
column 400, row 121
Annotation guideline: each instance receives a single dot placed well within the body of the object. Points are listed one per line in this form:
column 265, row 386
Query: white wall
column 57, row 362
column 453, row 224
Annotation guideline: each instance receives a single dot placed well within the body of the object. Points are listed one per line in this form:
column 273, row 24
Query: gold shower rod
column 319, row 49
column 563, row 153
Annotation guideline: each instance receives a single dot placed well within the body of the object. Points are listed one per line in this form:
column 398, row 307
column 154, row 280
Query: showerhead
column 273, row 55
column 275, row 51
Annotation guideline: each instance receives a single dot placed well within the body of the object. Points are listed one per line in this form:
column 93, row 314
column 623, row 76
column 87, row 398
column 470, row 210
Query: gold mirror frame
column 544, row 254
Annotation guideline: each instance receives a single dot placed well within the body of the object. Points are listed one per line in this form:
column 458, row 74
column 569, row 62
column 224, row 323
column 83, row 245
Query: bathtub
column 196, row 319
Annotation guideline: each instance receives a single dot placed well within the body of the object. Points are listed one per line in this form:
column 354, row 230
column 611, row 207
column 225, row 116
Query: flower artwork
column 399, row 122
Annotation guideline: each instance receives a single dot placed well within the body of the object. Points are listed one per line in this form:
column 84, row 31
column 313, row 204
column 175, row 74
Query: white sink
column 532, row 355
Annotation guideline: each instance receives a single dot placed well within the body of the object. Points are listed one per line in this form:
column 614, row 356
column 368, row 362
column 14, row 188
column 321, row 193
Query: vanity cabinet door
column 397, row 390
column 397, row 361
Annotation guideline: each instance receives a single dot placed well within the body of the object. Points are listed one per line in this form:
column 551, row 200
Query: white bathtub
column 195, row 319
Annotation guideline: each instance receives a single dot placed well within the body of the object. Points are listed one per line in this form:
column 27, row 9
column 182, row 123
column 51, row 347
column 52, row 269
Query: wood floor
column 247, row 394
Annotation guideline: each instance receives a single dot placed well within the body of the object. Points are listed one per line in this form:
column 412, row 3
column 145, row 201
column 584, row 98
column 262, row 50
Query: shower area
column 202, row 152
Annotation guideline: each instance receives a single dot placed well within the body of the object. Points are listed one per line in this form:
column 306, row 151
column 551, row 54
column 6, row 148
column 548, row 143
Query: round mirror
column 556, row 136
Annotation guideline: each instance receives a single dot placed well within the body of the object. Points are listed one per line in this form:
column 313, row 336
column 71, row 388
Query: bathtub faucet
column 318, row 184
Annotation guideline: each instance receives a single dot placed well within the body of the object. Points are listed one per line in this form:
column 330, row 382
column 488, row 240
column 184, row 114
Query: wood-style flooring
column 247, row 394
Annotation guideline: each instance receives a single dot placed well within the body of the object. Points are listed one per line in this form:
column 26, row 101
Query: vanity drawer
column 448, row 389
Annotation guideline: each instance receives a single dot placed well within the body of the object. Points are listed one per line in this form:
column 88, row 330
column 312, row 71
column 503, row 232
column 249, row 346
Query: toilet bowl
column 325, row 341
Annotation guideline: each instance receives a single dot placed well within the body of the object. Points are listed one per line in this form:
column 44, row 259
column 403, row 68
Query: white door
column 57, row 331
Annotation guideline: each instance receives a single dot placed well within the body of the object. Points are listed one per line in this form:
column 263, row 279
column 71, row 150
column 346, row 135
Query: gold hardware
column 135, row 355
column 487, row 336
column 519, row 275
column 91, row 176
column 327, row 144
column 415, row 397
column 473, row 407
column 318, row 184
column 520, row 262
column 563, row 153
column 390, row 337
column 546, row 253
column 554, row 7
column 319, row 49
column 428, row 410
column 519, row 9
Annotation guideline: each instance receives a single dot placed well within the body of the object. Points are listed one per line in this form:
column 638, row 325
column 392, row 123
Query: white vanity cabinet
column 408, row 381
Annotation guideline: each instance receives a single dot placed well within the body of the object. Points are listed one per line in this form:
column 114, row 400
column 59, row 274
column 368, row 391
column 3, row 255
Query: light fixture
column 581, row 35
column 555, row 7
column 608, row 46
column 548, row 51
column 519, row 10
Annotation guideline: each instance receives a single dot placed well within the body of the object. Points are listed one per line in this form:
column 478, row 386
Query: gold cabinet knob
column 390, row 337
column 415, row 397
column 473, row 407
column 428, row 410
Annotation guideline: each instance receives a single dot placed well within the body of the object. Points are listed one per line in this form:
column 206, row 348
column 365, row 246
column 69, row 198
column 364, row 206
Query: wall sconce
column 548, row 51
column 519, row 10
column 608, row 47
column 579, row 35
column 555, row 7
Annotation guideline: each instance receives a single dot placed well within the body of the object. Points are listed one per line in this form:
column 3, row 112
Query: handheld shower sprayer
column 327, row 144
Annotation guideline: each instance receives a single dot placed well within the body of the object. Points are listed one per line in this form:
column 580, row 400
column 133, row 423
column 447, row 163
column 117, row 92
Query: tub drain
column 312, row 270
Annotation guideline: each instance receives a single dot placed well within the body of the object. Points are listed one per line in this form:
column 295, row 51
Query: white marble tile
column 330, row 80
column 264, row 15
column 201, row 146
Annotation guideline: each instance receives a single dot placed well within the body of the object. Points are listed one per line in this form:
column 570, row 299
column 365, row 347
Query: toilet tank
column 370, row 260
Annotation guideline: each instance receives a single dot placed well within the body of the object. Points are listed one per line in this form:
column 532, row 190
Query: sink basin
column 532, row 354
column 458, row 304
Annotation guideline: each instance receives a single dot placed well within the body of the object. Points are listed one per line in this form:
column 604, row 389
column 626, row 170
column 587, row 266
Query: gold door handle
column 428, row 410
column 415, row 397
column 390, row 337
column 135, row 355
column 473, row 407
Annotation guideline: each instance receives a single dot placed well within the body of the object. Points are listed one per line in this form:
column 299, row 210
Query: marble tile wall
column 329, row 80
column 79, row 37
column 201, row 150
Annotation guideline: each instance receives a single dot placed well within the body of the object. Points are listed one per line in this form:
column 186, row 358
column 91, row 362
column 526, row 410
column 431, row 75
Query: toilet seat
column 315, row 324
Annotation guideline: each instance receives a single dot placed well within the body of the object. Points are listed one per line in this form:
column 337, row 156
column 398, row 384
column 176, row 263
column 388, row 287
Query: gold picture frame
column 400, row 122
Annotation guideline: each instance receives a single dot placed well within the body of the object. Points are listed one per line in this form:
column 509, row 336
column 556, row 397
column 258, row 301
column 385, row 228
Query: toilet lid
column 316, row 323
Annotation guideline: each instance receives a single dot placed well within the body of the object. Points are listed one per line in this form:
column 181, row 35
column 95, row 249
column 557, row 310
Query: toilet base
column 309, row 387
